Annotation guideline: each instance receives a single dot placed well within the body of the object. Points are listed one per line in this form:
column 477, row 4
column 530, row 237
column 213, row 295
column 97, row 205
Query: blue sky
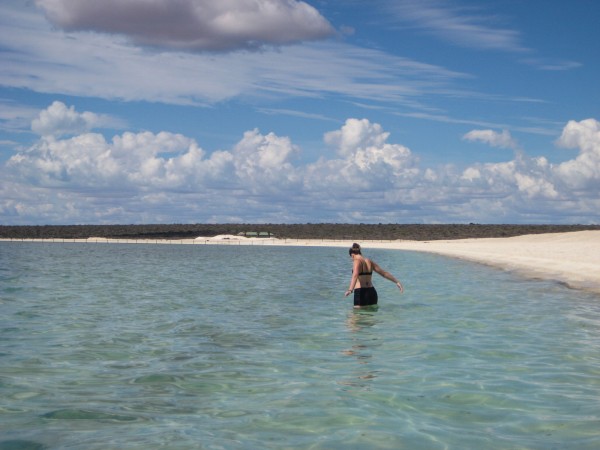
column 281, row 111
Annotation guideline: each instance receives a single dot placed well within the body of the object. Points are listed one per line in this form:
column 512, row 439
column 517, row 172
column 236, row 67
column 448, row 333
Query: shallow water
column 218, row 347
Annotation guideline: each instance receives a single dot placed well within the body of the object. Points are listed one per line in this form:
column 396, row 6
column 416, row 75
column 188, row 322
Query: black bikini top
column 365, row 268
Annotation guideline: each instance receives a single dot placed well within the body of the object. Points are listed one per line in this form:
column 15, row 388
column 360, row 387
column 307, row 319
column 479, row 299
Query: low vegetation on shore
column 359, row 232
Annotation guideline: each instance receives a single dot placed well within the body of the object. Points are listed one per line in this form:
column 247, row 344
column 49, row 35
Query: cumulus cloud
column 148, row 161
column 520, row 179
column 168, row 177
column 356, row 134
column 89, row 161
column 264, row 163
column 584, row 134
column 367, row 161
column 60, row 120
column 195, row 25
column 583, row 172
column 493, row 138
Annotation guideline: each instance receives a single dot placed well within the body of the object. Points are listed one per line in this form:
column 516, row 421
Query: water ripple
column 116, row 346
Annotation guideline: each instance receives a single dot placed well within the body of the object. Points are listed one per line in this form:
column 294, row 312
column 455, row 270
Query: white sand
column 571, row 258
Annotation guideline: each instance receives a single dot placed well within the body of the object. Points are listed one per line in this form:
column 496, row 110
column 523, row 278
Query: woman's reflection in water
column 364, row 337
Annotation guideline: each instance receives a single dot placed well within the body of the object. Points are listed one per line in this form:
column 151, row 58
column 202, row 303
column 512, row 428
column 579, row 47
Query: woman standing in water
column 361, row 284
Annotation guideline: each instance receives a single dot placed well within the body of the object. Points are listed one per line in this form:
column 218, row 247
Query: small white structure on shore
column 227, row 237
column 257, row 234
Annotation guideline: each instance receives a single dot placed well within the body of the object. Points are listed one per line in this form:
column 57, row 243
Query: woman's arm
column 387, row 275
column 355, row 269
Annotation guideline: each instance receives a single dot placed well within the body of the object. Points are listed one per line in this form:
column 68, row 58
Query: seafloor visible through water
column 112, row 346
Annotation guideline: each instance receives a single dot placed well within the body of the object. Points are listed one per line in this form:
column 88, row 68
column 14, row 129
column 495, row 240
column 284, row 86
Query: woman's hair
column 354, row 250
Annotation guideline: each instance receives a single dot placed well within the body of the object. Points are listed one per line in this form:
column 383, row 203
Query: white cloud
column 522, row 179
column 167, row 177
column 195, row 25
column 367, row 162
column 42, row 59
column 58, row 120
column 459, row 26
column 356, row 134
column 584, row 134
column 535, row 187
column 493, row 138
column 16, row 117
column 263, row 164
column 470, row 27
column 583, row 172
column 554, row 65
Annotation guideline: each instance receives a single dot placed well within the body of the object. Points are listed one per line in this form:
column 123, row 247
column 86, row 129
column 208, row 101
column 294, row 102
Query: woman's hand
column 400, row 287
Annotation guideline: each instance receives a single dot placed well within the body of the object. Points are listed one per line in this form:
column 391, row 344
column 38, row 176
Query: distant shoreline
column 572, row 258
column 357, row 232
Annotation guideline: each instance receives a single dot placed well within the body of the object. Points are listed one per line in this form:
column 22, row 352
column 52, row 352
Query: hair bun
column 355, row 249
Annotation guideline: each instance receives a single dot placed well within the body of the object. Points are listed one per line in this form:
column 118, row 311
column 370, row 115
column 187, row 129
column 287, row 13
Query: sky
column 287, row 111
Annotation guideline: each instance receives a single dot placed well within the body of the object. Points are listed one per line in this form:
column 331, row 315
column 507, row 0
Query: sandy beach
column 572, row 258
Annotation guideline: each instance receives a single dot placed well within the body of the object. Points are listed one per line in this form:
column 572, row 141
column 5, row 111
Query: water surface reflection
column 364, row 337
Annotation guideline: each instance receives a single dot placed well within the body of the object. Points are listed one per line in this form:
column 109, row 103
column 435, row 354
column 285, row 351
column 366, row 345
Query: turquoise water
column 114, row 346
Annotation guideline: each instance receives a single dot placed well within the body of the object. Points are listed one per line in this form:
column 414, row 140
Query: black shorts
column 365, row 296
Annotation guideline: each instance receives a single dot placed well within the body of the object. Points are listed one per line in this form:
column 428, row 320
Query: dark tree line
column 290, row 231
